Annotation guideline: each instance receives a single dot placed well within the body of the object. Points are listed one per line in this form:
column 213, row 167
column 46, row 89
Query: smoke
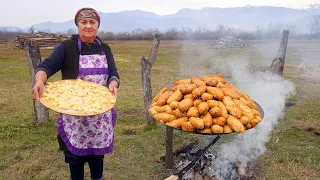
column 267, row 89
column 271, row 92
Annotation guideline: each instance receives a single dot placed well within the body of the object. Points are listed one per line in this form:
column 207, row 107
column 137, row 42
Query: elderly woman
column 84, row 56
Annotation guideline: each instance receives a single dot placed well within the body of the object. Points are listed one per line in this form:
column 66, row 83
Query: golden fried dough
column 199, row 91
column 197, row 122
column 197, row 82
column 218, row 76
column 248, row 126
column 246, row 110
column 207, row 119
column 185, row 104
column 189, row 96
column 223, row 108
column 163, row 98
column 216, row 129
column 216, row 92
column 187, row 88
column 255, row 112
column 178, row 113
column 227, row 129
column 221, row 121
column 206, row 96
column 244, row 120
column 235, row 124
column 165, row 109
column 213, row 103
column 187, row 126
column 203, row 108
column 221, row 85
column 205, row 131
column 193, row 112
column 258, row 118
column 183, row 81
column 231, row 93
column 210, row 81
column 250, row 103
column 163, row 90
column 178, row 122
column 152, row 111
column 164, row 117
column 176, row 87
column 197, row 102
column 174, row 104
column 215, row 112
column 176, row 96
column 232, row 107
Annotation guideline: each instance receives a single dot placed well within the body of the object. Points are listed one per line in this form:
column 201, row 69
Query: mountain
column 246, row 18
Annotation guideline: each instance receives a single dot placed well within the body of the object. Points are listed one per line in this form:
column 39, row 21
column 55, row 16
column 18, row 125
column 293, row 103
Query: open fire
column 202, row 169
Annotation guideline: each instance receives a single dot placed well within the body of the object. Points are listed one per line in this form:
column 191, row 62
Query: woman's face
column 88, row 28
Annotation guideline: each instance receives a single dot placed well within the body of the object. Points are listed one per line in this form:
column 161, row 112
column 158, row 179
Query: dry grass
column 31, row 152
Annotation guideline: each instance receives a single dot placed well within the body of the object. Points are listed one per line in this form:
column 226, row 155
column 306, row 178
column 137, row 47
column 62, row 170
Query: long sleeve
column 54, row 62
column 113, row 72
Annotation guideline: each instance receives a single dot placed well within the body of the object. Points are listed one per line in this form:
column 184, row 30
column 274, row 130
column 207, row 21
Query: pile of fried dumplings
column 207, row 105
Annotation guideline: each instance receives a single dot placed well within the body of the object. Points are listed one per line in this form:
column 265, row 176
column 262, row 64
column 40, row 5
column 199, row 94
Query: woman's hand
column 37, row 90
column 113, row 87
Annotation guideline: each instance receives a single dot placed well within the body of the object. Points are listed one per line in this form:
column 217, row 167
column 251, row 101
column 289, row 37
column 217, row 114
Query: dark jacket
column 65, row 57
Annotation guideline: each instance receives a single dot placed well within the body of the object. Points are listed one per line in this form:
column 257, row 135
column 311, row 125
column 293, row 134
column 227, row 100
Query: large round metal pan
column 261, row 115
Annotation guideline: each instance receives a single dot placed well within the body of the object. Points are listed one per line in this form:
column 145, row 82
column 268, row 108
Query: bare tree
column 71, row 31
column 170, row 33
column 31, row 30
column 4, row 31
column 315, row 26
column 146, row 65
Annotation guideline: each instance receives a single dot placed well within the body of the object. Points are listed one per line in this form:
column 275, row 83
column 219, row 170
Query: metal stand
column 169, row 152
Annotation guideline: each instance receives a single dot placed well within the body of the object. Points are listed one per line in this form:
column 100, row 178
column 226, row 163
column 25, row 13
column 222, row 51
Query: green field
column 28, row 151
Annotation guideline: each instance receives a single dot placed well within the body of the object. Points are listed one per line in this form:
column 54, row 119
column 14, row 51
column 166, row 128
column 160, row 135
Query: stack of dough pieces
column 205, row 105
column 77, row 97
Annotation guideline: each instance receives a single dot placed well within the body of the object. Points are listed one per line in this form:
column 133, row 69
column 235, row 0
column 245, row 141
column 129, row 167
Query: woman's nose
column 88, row 25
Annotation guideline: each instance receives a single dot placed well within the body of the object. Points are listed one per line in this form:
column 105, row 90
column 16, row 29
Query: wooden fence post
column 146, row 65
column 277, row 65
column 169, row 148
column 41, row 113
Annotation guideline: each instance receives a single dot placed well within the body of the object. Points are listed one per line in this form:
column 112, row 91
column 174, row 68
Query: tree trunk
column 146, row 65
column 277, row 65
column 41, row 113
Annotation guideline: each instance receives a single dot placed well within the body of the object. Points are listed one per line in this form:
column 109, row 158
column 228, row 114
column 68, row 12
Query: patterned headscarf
column 86, row 13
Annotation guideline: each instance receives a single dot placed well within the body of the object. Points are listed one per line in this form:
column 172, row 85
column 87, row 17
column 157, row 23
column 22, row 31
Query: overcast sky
column 24, row 13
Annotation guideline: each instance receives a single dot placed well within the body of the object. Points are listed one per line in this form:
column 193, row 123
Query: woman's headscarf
column 86, row 13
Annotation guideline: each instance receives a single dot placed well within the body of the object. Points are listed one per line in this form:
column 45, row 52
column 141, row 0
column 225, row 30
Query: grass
column 31, row 152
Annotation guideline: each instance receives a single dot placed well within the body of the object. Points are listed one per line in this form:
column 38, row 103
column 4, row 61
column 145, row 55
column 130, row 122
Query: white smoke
column 267, row 89
column 271, row 92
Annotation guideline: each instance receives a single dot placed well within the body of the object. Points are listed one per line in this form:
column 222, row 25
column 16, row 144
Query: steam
column 271, row 92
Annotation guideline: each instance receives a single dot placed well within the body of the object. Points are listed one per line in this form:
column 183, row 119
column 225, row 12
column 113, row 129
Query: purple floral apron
column 84, row 135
